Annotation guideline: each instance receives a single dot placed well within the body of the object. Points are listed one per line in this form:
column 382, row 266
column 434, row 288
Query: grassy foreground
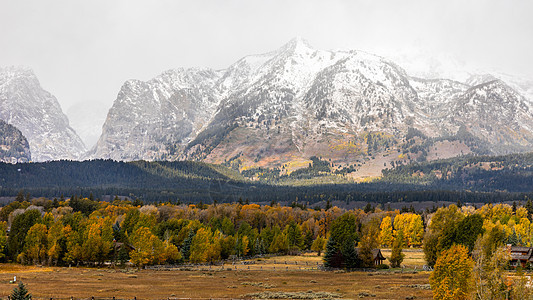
column 266, row 276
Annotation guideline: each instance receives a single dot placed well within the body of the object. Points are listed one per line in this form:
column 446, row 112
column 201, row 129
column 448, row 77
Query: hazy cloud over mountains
column 83, row 51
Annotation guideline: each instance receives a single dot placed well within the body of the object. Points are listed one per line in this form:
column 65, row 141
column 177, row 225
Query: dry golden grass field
column 230, row 281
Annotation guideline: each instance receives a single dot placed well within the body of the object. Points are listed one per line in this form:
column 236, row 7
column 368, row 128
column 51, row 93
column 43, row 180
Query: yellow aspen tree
column 452, row 278
column 385, row 232
column 55, row 233
column 98, row 239
column 172, row 253
column 200, row 246
column 148, row 249
column 3, row 238
column 35, row 244
column 215, row 248
column 74, row 251
column 416, row 230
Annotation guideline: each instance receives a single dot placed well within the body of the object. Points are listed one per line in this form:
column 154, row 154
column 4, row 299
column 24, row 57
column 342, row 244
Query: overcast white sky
column 84, row 50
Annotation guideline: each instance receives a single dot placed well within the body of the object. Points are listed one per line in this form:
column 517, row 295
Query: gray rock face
column 25, row 105
column 156, row 119
column 14, row 148
column 298, row 99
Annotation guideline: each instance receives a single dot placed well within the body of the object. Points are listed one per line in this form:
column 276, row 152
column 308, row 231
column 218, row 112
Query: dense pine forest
column 469, row 179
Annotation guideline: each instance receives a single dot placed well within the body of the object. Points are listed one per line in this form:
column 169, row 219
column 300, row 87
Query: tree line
column 194, row 182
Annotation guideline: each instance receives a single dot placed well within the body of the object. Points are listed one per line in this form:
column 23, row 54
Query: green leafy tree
column 35, row 245
column 20, row 196
column 344, row 228
column 19, row 228
column 308, row 239
column 464, row 232
column 397, row 256
column 3, row 238
column 280, row 244
column 441, row 232
column 293, row 232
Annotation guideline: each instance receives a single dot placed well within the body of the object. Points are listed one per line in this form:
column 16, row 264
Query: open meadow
column 257, row 278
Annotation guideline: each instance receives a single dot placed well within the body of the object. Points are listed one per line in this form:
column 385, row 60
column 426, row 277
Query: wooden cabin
column 377, row 256
column 520, row 256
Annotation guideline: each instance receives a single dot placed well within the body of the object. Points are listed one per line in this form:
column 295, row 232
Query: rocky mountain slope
column 14, row 147
column 279, row 108
column 27, row 106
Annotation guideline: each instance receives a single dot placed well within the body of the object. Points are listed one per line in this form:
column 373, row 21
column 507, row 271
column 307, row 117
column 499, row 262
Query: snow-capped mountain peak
column 298, row 101
column 38, row 115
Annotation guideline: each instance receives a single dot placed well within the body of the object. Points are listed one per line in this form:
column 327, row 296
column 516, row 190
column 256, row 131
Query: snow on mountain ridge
column 299, row 98
column 38, row 115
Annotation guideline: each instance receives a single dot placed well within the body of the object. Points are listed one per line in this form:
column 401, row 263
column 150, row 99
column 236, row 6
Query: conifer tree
column 20, row 293
column 186, row 247
column 351, row 258
column 529, row 207
column 333, row 256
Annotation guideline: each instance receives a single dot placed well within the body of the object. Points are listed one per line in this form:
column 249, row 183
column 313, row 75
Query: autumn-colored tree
column 205, row 246
column 172, row 253
column 446, row 218
column 55, row 241
column 397, row 256
column 73, row 245
column 412, row 228
column 489, row 270
column 318, row 245
column 385, row 232
column 148, row 248
column 520, row 286
column 369, row 241
column 452, row 277
column 35, row 245
column 3, row 238
column 98, row 239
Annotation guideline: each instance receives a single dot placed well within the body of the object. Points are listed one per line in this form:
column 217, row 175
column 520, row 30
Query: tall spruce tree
column 20, row 293
column 186, row 246
column 351, row 258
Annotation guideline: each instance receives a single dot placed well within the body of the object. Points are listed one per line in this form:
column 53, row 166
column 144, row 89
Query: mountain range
column 358, row 111
column 25, row 105
column 280, row 108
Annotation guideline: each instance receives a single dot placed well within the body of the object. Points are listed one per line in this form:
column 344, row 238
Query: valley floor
column 277, row 274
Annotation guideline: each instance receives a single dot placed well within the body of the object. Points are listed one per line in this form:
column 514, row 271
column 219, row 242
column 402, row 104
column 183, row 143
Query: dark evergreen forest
column 466, row 179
